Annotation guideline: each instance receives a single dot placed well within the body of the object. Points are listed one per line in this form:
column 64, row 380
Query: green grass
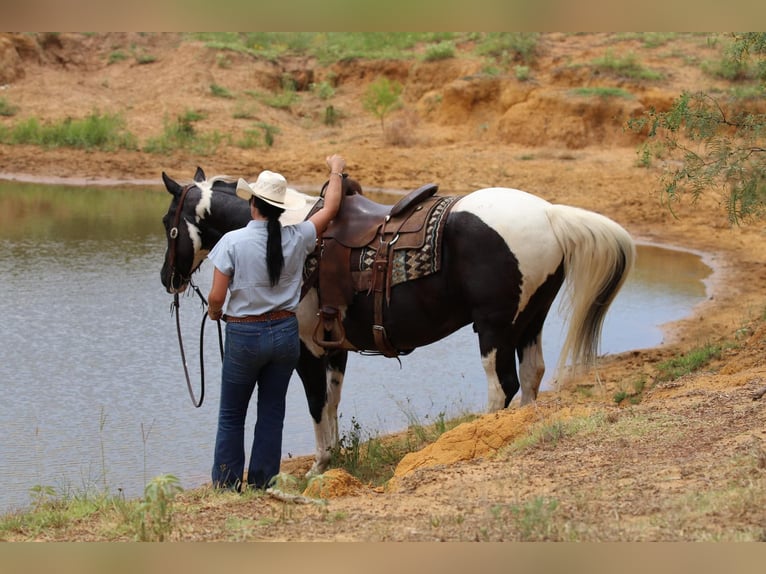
column 180, row 133
column 508, row 46
column 627, row 66
column 95, row 131
column 7, row 109
column 602, row 92
column 373, row 459
column 331, row 47
column 692, row 361
column 281, row 100
column 440, row 51
column 220, row 91
column 549, row 433
column 150, row 518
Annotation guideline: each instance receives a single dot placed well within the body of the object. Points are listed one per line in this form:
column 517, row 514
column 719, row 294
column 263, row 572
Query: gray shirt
column 241, row 254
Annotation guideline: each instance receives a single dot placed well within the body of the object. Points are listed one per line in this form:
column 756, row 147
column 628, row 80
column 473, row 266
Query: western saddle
column 381, row 229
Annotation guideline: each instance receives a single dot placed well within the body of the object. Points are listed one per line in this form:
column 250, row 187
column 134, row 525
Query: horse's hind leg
column 531, row 369
column 530, row 345
column 498, row 357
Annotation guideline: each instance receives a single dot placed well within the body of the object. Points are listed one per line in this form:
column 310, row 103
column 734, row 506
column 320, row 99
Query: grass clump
column 109, row 517
column 509, row 46
column 626, row 66
column 602, row 92
column 440, row 51
column 181, row 133
column 96, row 131
column 220, row 91
column 692, row 361
column 373, row 459
column 7, row 109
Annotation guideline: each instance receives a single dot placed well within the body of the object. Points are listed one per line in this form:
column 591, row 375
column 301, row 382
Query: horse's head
column 189, row 229
column 180, row 254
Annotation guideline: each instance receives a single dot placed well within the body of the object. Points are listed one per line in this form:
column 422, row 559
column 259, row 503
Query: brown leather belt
column 270, row 316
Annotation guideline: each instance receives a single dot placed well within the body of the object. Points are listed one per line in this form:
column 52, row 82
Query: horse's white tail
column 598, row 255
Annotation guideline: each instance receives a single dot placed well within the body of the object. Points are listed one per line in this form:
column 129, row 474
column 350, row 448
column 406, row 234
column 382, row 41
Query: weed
column 381, row 98
column 223, row 61
column 220, row 92
column 323, row 90
column 181, row 134
column 116, row 56
column 96, row 131
column 7, row 109
column 41, row 495
column 157, row 508
column 534, row 519
column 440, row 51
column 603, row 92
column 331, row 116
column 626, row 66
column 549, row 433
column 522, row 73
column 143, row 59
column 509, row 46
column 688, row 363
column 634, row 396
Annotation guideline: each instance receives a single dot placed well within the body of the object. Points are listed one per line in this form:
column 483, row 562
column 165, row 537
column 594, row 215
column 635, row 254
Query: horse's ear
column 199, row 175
column 351, row 186
column 171, row 185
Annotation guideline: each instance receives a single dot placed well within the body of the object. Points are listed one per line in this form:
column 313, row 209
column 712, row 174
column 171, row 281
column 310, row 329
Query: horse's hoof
column 316, row 469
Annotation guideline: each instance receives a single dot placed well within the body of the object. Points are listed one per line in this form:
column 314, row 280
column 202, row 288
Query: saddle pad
column 409, row 264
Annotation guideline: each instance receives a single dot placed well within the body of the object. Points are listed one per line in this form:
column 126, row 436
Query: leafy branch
column 710, row 143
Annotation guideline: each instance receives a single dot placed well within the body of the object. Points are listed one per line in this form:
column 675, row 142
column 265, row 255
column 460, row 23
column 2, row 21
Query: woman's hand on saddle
column 336, row 164
column 321, row 219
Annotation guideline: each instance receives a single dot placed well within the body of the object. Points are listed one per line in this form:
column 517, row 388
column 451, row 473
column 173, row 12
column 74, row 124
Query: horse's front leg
column 326, row 429
column 323, row 381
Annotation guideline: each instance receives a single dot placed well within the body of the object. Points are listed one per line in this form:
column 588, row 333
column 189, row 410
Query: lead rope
column 175, row 307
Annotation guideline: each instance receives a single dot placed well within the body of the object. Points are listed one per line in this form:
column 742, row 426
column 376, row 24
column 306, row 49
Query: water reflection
column 94, row 393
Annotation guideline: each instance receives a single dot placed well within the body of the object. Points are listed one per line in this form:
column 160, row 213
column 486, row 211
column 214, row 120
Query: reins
column 175, row 307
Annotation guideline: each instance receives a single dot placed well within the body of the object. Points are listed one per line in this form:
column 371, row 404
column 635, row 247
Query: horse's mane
column 229, row 184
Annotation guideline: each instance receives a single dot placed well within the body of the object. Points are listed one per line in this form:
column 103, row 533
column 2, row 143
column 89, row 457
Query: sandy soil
column 686, row 463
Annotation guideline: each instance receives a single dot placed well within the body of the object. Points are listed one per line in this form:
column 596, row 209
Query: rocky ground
column 687, row 462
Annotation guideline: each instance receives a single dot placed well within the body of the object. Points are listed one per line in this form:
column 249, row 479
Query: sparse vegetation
column 603, row 92
column 220, row 91
column 95, row 131
column 382, row 97
column 7, row 109
column 688, row 362
column 627, row 66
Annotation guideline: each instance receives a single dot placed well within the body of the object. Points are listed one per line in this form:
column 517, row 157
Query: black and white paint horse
column 505, row 256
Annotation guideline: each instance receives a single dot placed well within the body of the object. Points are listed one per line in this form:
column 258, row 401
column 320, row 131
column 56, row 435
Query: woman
column 261, row 267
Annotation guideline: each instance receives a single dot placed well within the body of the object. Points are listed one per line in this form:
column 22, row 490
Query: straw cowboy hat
column 272, row 188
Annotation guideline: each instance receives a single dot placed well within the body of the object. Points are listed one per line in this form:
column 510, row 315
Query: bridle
column 173, row 234
column 175, row 307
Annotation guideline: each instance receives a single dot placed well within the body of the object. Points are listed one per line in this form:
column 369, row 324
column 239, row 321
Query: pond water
column 93, row 389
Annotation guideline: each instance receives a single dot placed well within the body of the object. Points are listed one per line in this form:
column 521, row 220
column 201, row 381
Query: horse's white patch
column 518, row 216
column 496, row 395
column 203, row 207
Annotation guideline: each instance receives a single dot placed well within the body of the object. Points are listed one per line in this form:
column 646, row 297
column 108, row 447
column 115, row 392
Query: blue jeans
column 261, row 355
